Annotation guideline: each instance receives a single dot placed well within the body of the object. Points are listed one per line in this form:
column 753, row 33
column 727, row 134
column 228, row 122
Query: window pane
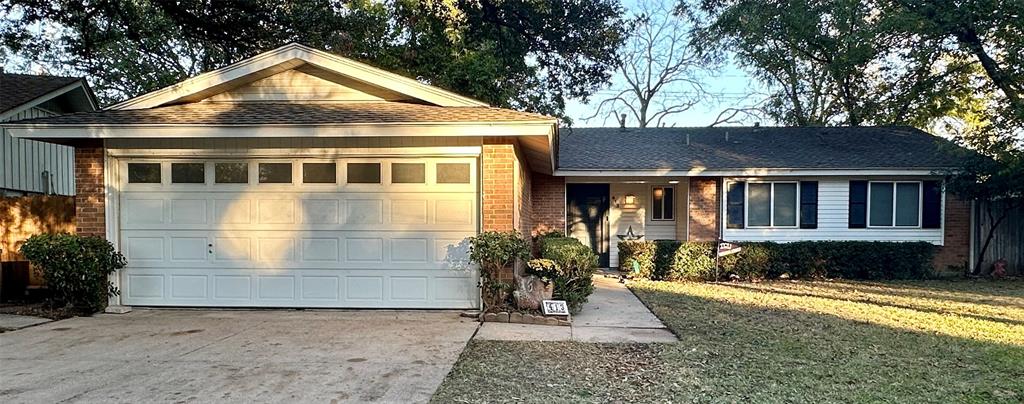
column 408, row 173
column 143, row 173
column 908, row 204
column 759, row 200
column 188, row 173
column 452, row 173
column 657, row 203
column 364, row 173
column 668, row 203
column 319, row 173
column 275, row 173
column 231, row 173
column 785, row 205
column 880, row 204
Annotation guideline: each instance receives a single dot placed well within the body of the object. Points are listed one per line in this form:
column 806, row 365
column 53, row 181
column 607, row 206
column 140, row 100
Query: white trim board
column 753, row 172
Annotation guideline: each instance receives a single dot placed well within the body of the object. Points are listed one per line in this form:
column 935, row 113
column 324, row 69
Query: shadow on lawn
column 873, row 301
column 965, row 291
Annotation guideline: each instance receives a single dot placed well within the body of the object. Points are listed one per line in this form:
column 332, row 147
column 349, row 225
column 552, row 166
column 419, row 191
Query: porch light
column 629, row 199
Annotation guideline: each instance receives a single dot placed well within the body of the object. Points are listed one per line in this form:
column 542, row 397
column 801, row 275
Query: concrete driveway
column 233, row 356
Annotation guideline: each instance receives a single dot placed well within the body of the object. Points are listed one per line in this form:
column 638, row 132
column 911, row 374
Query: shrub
column 636, row 258
column 692, row 262
column 576, row 263
column 543, row 268
column 494, row 251
column 664, row 258
column 76, row 268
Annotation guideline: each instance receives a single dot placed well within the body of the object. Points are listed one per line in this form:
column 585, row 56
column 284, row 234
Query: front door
column 587, row 217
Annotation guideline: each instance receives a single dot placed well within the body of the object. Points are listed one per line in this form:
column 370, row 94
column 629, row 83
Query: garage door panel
column 300, row 245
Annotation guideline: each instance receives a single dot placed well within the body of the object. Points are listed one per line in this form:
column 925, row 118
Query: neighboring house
column 28, row 166
column 298, row 178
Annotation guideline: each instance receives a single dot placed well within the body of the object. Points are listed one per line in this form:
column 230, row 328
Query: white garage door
column 299, row 232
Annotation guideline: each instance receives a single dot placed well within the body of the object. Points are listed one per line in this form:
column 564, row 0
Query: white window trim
column 673, row 218
column 771, row 205
column 920, row 205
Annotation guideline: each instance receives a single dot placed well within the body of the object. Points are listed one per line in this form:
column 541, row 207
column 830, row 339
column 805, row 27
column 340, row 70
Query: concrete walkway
column 10, row 322
column 612, row 314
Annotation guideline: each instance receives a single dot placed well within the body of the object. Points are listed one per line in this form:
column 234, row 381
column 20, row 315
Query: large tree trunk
column 988, row 238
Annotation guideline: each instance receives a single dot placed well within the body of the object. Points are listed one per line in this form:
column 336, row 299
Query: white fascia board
column 750, row 172
column 46, row 97
column 300, row 53
column 512, row 129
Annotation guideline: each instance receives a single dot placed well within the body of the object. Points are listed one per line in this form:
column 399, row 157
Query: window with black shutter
column 858, row 204
column 808, row 204
column 734, row 204
column 931, row 205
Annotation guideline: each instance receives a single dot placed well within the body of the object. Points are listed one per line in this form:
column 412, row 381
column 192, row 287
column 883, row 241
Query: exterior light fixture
column 629, row 199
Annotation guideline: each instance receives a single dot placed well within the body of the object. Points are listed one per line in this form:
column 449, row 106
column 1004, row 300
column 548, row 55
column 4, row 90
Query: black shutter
column 858, row 204
column 931, row 205
column 734, row 210
column 808, row 204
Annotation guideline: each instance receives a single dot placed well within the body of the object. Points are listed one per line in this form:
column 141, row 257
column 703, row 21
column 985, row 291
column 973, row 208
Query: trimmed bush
column 636, row 258
column 576, row 264
column 493, row 252
column 75, row 268
column 804, row 259
column 543, row 268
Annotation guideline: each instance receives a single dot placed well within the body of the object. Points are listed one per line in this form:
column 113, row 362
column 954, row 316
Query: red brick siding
column 548, row 203
column 524, row 195
column 498, row 165
column 703, row 208
column 90, row 200
column 955, row 250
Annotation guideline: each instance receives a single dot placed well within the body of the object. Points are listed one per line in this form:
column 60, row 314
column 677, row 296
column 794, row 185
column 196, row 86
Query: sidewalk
column 612, row 314
column 11, row 322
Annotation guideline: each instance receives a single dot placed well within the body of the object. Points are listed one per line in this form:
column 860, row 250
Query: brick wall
column 955, row 250
column 497, row 162
column 702, row 212
column 523, row 195
column 90, row 202
column 548, row 203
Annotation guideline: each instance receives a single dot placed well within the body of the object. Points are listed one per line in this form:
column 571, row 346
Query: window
column 364, row 173
column 188, row 173
column 275, row 173
column 894, row 204
column 772, row 204
column 143, row 173
column 231, row 173
column 453, row 173
column 408, row 173
column 319, row 173
column 661, row 201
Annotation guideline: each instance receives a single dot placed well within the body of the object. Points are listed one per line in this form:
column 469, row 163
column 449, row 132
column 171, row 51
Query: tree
column 836, row 62
column 664, row 74
column 524, row 54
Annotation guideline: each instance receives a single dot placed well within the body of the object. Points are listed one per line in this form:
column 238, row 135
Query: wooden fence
column 24, row 217
column 1007, row 243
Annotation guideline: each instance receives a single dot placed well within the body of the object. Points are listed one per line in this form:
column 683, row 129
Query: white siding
column 294, row 85
column 833, row 220
column 22, row 162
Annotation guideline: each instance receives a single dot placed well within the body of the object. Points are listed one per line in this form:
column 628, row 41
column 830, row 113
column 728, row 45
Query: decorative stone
column 502, row 317
column 551, row 321
column 490, row 317
column 515, row 317
column 530, row 291
column 564, row 322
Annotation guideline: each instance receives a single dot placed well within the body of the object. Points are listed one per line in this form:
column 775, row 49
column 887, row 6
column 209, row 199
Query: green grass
column 926, row 341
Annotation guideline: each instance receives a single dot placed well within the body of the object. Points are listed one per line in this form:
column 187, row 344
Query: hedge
column 804, row 259
column 576, row 264
column 636, row 258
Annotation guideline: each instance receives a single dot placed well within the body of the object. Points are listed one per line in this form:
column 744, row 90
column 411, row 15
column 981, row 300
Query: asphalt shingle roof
column 260, row 113
column 724, row 148
column 17, row 89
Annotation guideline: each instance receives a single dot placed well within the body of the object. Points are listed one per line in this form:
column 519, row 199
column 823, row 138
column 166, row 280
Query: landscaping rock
column 490, row 317
column 502, row 317
column 515, row 317
column 530, row 291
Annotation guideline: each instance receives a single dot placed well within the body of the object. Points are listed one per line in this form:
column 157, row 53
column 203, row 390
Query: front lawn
column 926, row 341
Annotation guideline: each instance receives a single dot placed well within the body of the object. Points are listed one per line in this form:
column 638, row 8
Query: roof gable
column 23, row 91
column 307, row 84
column 346, row 73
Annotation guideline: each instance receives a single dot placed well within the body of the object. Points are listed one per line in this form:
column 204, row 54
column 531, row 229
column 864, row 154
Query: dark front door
column 586, row 210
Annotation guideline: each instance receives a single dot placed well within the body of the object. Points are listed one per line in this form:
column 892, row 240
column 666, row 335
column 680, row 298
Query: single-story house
column 31, row 167
column 298, row 178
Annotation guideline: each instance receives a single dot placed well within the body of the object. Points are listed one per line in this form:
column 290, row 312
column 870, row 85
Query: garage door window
column 188, row 173
column 319, row 173
column 364, row 173
column 275, row 173
column 231, row 173
column 143, row 173
column 408, row 173
column 452, row 173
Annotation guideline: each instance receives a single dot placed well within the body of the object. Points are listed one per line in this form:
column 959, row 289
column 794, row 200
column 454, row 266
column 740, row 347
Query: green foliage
column 493, row 252
column 577, row 264
column 636, row 258
column 75, row 268
column 695, row 261
column 524, row 54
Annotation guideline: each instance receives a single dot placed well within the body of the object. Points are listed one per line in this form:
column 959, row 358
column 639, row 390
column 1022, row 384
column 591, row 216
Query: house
column 299, row 178
column 28, row 166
